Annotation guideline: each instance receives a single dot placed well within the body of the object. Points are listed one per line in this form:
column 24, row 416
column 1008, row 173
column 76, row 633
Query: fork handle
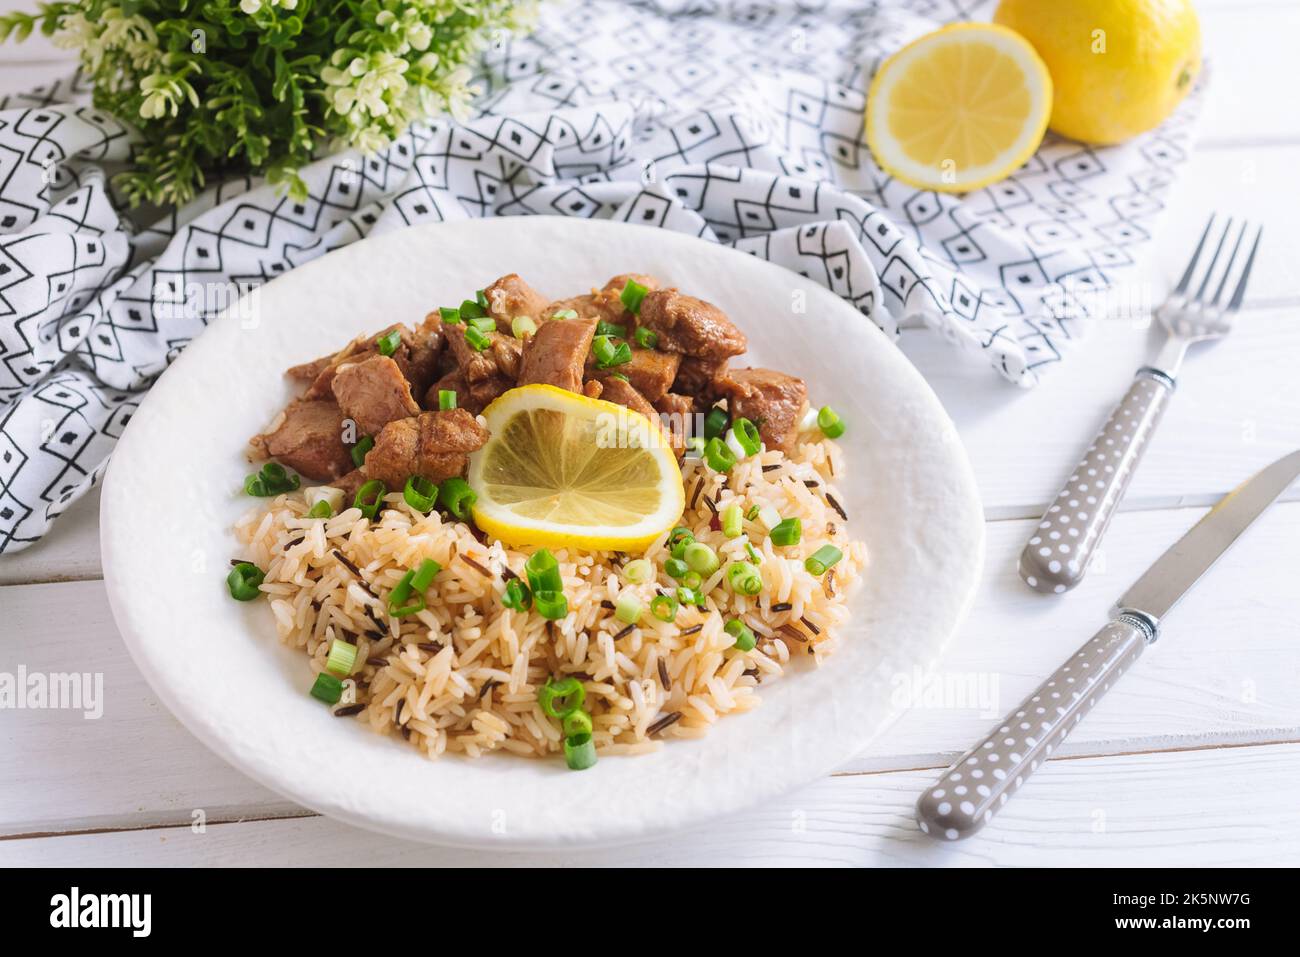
column 970, row 792
column 1066, row 539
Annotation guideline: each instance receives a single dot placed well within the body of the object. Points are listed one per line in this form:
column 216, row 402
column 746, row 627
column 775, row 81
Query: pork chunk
column 500, row 359
column 474, row 398
column 373, row 393
column 698, row 378
column 435, row 445
column 616, row 390
column 651, row 372
column 509, row 297
column 308, row 438
column 691, row 326
column 773, row 401
column 416, row 355
column 557, row 353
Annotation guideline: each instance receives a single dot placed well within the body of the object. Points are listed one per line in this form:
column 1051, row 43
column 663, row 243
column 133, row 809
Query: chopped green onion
column 692, row 579
column 770, row 517
column 628, row 608
column 243, row 581
column 731, row 519
column 679, row 535
column 551, row 604
column 449, row 314
column 638, row 572
column 578, row 722
column 740, row 631
column 342, row 658
column 829, row 421
column 456, row 496
column 664, row 607
column 271, row 480
column 477, row 338
column 369, row 497
column 751, row 513
column 327, row 688
column 753, row 555
column 676, row 569
column 733, row 445
column 470, row 309
column 517, row 595
column 717, row 456
column 715, row 423
column 619, row 376
column 387, row 343
column 613, row 329
column 484, row 324
column 695, row 446
column 579, row 752
column 565, row 314
column 701, row 558
column 446, row 400
column 559, row 699
column 481, row 298
column 646, row 338
column 822, row 559
column 521, row 326
column 420, row 493
column 543, row 571
column 747, row 435
column 321, row 509
column 425, row 575
column 788, row 531
column 360, row 449
column 632, row 295
column 398, row 605
column 689, row 596
column 744, row 579
column 607, row 354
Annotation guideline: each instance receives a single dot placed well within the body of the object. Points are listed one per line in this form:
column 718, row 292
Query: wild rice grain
column 830, row 499
column 694, row 629
column 782, row 606
column 623, row 633
column 476, row 566
column 664, row 681
column 667, row 721
column 348, row 711
column 810, row 626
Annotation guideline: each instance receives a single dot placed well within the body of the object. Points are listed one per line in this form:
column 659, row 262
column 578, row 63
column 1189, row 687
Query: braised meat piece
column 773, row 401
column 373, row 393
column 557, row 353
column 698, row 378
column 651, row 372
column 673, row 404
column 616, row 390
column 416, row 355
column 604, row 304
column 691, row 326
column 473, row 397
column 509, row 297
column 499, row 359
column 434, row 445
column 308, row 438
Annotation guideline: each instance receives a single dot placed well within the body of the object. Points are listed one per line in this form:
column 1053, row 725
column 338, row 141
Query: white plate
column 171, row 498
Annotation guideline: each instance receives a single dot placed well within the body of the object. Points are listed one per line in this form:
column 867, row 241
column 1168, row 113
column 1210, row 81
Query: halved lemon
column 567, row 471
column 959, row 108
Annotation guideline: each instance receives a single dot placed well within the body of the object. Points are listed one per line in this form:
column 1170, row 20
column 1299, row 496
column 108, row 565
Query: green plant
column 231, row 86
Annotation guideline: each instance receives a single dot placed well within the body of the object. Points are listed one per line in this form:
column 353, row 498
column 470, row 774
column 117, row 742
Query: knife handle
column 1066, row 539
column 969, row 793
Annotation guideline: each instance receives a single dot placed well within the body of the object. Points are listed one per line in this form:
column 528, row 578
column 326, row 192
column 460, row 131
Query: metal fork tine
column 1191, row 266
column 1240, row 292
column 1214, row 261
column 1232, row 261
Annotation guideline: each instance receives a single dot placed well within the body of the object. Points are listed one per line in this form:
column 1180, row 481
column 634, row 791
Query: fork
column 1066, row 539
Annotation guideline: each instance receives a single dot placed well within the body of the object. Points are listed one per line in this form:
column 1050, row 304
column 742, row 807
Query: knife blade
column 1174, row 573
column 969, row 793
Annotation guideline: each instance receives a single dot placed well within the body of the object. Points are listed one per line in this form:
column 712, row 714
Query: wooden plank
column 1203, row 808
column 68, row 552
column 1195, row 687
column 1237, row 408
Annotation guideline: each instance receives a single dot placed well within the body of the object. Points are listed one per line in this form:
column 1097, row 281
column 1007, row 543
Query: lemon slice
column 567, row 471
column 959, row 108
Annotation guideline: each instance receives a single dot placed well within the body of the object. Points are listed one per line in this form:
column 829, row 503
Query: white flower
column 419, row 36
column 250, row 7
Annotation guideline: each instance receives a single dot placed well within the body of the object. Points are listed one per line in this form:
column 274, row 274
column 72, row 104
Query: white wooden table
column 1193, row 759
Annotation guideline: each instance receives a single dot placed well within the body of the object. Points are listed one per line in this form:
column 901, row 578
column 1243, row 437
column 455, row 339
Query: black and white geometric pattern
column 740, row 122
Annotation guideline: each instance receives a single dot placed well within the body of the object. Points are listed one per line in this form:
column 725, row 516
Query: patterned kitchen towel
column 737, row 122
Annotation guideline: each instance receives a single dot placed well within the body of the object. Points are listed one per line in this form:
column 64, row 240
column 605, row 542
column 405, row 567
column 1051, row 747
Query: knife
column 969, row 793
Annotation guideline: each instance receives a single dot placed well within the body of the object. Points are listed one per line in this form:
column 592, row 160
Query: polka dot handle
column 1066, row 540
column 976, row 787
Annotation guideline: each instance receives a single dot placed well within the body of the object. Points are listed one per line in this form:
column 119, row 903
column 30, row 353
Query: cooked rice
column 463, row 674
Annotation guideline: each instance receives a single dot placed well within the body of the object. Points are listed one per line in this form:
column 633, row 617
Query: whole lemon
column 1119, row 67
